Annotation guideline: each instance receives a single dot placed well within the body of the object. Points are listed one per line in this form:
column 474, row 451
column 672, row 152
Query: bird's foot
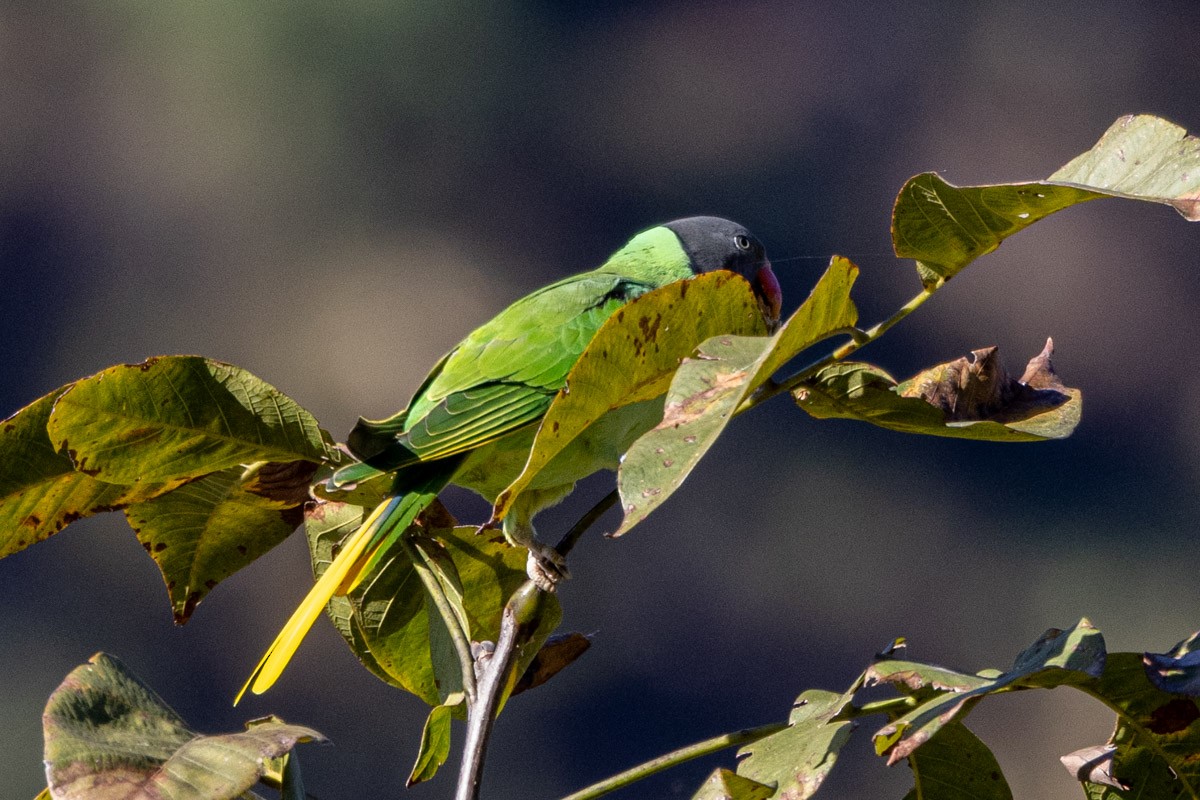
column 546, row 567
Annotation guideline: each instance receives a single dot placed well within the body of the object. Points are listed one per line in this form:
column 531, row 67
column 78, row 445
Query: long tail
column 360, row 553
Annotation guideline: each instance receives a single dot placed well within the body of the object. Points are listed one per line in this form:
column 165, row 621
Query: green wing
column 502, row 377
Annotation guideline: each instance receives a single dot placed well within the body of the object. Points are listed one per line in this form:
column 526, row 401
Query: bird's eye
column 742, row 241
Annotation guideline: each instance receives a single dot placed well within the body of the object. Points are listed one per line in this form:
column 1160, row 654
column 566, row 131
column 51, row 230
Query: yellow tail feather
column 284, row 647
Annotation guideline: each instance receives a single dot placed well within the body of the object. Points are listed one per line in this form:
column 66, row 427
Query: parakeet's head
column 714, row 243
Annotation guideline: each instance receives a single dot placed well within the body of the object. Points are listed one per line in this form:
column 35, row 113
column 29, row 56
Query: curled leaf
column 110, row 737
column 972, row 397
column 1177, row 671
column 1093, row 765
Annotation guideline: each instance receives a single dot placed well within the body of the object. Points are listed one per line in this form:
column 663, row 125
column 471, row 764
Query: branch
column 495, row 666
column 674, row 758
column 859, row 339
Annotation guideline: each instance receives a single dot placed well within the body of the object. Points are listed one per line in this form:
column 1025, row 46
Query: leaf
column 435, row 746
column 1142, row 157
column 969, row 398
column 798, row 758
column 208, row 529
column 945, row 227
column 40, row 491
column 633, row 356
column 110, row 737
column 180, row 417
column 1057, row 658
column 725, row 784
column 1093, row 765
column 956, row 765
column 1156, row 738
column 292, row 784
column 558, row 653
column 708, row 388
column 1178, row 671
column 386, row 619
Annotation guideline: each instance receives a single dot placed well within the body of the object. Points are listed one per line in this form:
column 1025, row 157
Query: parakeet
column 473, row 420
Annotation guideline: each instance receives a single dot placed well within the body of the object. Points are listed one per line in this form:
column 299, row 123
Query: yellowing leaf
column 180, row 417
column 633, row 356
column 945, row 227
column 707, row 390
column 40, row 491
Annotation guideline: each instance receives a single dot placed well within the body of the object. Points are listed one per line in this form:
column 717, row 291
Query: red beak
column 770, row 296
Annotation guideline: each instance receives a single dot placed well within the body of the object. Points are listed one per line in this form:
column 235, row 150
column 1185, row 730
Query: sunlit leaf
column 110, row 737
column 208, row 529
column 1073, row 656
column 725, row 784
column 40, row 491
column 946, row 227
column 180, row 417
column 969, row 398
column 708, row 388
column 435, row 746
column 633, row 356
column 798, row 758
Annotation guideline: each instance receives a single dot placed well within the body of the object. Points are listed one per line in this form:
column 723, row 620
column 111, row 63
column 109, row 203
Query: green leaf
column 1142, row 157
column 1157, row 735
column 633, row 356
column 40, row 491
column 956, row 765
column 707, row 390
column 798, row 758
column 946, row 227
column 435, row 746
column 1059, row 657
column 725, row 784
column 180, row 417
column 386, row 620
column 292, row 784
column 110, row 737
column 208, row 529
column 969, row 398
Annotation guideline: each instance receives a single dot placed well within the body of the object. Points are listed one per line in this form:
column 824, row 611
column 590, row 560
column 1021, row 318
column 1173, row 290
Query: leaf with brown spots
column 972, row 397
column 946, row 227
column 708, row 388
column 175, row 417
column 1071, row 657
column 208, row 529
column 798, row 758
column 40, row 491
column 633, row 356
column 110, row 737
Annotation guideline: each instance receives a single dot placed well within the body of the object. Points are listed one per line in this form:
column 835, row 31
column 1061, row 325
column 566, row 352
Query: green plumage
column 472, row 421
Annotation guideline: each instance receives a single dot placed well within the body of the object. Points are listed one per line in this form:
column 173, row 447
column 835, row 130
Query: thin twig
column 586, row 521
column 482, row 713
column 674, row 758
column 858, row 340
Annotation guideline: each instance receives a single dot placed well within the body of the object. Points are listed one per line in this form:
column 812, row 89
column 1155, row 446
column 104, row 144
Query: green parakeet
column 473, row 420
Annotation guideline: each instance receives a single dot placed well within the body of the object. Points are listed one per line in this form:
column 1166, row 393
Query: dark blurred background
column 331, row 195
